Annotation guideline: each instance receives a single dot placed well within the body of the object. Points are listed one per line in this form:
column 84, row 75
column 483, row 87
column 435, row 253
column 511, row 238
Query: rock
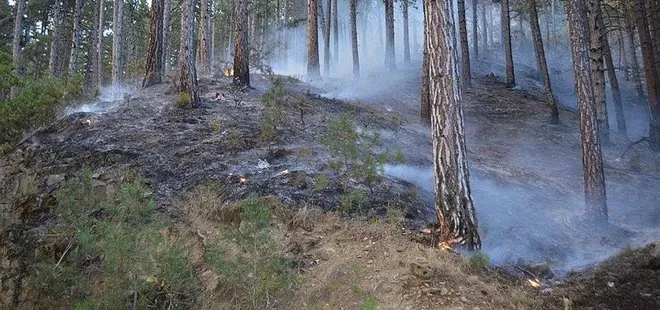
column 325, row 254
column 463, row 299
column 547, row 290
column 541, row 270
column 444, row 291
column 54, row 179
column 421, row 270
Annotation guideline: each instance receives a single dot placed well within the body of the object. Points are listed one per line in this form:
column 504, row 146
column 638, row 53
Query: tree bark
column 99, row 51
column 594, row 177
column 453, row 201
column 153, row 68
column 506, row 38
column 204, row 37
column 484, row 24
column 406, row 31
column 167, row 13
column 54, row 46
column 326, row 39
column 652, row 79
column 634, row 64
column 241, row 51
column 614, row 82
column 16, row 43
column 75, row 39
column 466, row 77
column 313, row 70
column 335, row 30
column 597, row 71
column 475, row 29
column 354, row 39
column 425, row 111
column 117, row 65
column 623, row 57
column 390, row 61
column 541, row 61
column 188, row 78
column 94, row 61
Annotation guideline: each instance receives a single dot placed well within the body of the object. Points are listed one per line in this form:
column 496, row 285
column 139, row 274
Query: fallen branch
column 66, row 250
column 642, row 139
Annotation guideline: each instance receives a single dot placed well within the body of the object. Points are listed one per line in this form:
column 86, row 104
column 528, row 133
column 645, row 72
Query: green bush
column 356, row 156
column 7, row 77
column 274, row 101
column 183, row 101
column 34, row 105
column 123, row 254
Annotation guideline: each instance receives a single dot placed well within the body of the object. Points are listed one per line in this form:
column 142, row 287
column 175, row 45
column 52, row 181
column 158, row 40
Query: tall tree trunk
column 484, row 24
column 241, row 51
column 614, row 82
column 99, row 52
column 54, row 46
column 453, row 201
column 204, row 37
column 117, row 25
column 153, row 68
column 75, row 38
column 354, row 39
column 541, row 61
column 326, row 39
column 597, row 71
column 466, row 77
column 425, row 111
column 16, row 42
column 623, row 57
column 594, row 177
column 506, row 38
column 335, row 30
column 313, row 70
column 188, row 81
column 634, row 64
column 406, row 35
column 652, row 79
column 390, row 62
column 167, row 13
column 475, row 29
column 92, row 73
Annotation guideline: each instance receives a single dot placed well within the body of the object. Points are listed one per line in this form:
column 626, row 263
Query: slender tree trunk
column 475, row 29
column 541, row 61
column 16, row 42
column 425, row 111
column 634, row 64
column 390, row 61
column 652, row 79
column 354, row 39
column 75, row 39
column 623, row 57
column 506, row 38
column 99, row 51
column 313, row 70
column 614, row 82
column 117, row 65
column 54, row 46
column 153, row 68
column 167, row 13
column 597, row 71
column 466, row 77
column 594, row 177
column 406, row 35
column 453, row 201
column 326, row 39
column 335, row 30
column 188, row 81
column 241, row 51
column 92, row 73
column 204, row 37
column 484, row 24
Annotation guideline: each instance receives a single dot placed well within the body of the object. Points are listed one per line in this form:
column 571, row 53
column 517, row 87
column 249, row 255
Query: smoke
column 109, row 98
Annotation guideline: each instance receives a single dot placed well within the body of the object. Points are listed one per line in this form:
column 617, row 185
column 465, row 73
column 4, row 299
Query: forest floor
column 371, row 254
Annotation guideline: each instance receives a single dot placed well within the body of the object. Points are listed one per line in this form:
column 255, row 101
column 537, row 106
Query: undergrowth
column 113, row 253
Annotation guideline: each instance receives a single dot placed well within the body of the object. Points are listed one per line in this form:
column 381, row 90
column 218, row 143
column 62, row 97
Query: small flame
column 534, row 283
column 285, row 172
column 242, row 181
column 229, row 72
column 444, row 245
column 88, row 122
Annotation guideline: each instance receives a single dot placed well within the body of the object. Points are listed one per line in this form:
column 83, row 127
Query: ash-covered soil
column 526, row 173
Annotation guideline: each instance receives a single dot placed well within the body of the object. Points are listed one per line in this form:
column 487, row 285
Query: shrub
column 353, row 155
column 34, row 105
column 183, row 101
column 354, row 200
column 274, row 101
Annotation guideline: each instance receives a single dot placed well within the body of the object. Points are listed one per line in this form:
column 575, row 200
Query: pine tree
column 313, row 70
column 241, row 51
column 541, row 61
column 506, row 38
column 188, row 78
column 153, row 68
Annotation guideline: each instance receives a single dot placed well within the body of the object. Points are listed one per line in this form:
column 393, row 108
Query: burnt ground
column 526, row 173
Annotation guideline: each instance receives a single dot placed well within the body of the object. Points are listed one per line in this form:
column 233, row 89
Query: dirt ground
column 518, row 161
